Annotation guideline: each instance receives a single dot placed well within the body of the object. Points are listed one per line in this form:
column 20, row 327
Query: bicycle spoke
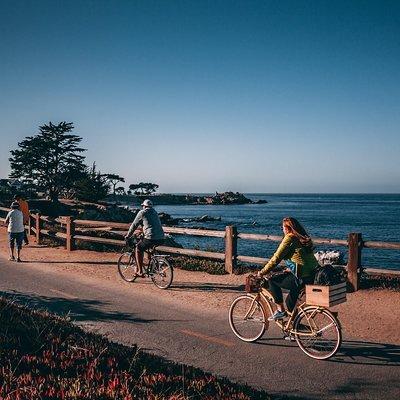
column 247, row 319
column 318, row 333
column 161, row 273
column 127, row 267
column 325, row 328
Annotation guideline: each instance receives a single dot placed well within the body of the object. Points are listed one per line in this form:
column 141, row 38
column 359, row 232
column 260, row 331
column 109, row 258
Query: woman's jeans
column 289, row 281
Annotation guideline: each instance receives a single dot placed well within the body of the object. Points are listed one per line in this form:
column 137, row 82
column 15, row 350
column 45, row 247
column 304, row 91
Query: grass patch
column 43, row 356
column 368, row 281
column 199, row 264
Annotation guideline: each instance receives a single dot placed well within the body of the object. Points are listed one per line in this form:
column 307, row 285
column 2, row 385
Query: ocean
column 376, row 216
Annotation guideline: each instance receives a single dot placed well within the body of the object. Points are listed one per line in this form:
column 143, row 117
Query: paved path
column 203, row 338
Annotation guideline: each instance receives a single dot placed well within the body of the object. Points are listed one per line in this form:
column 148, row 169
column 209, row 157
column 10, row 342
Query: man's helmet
column 147, row 203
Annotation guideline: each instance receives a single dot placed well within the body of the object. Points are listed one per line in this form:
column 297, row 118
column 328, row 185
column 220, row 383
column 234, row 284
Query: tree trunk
column 53, row 197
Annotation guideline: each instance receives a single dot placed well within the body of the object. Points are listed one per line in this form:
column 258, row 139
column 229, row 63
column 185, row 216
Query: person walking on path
column 15, row 229
column 152, row 231
column 24, row 207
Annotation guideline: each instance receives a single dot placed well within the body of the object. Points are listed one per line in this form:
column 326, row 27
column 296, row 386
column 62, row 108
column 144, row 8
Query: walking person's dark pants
column 287, row 280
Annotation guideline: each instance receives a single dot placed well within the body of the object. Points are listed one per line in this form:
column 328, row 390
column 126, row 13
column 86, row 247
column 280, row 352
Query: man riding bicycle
column 152, row 231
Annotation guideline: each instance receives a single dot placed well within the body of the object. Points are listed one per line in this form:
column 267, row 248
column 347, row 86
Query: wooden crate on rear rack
column 326, row 296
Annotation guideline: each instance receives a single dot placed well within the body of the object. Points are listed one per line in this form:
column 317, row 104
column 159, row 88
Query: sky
column 199, row 96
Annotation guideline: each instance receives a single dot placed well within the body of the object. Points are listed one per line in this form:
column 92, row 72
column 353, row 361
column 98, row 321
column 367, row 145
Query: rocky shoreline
column 105, row 212
column 225, row 198
column 116, row 212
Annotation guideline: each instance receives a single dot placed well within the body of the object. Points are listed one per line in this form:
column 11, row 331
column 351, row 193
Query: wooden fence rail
column 74, row 228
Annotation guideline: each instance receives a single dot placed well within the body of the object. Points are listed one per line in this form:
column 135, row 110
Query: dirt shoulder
column 370, row 315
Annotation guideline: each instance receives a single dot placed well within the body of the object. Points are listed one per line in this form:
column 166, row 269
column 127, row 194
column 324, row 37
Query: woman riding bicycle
column 296, row 249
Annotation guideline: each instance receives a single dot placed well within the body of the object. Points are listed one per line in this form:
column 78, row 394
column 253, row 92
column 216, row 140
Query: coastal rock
column 112, row 213
column 224, row 198
column 207, row 218
column 170, row 242
column 166, row 219
column 203, row 218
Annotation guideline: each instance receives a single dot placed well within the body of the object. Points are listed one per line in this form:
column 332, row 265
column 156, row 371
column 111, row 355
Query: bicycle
column 158, row 266
column 316, row 330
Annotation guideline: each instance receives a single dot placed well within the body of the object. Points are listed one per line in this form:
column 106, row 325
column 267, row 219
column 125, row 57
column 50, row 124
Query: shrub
column 44, row 356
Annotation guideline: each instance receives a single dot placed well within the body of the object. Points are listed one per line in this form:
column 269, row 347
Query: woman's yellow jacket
column 291, row 249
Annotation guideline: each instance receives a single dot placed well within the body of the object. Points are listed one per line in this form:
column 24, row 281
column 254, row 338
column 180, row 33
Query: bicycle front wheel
column 318, row 333
column 162, row 273
column 247, row 318
column 127, row 268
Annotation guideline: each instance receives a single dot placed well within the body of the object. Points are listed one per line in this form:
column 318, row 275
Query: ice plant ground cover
column 43, row 356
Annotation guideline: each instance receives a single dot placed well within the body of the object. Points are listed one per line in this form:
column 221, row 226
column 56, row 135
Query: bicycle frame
column 266, row 298
column 307, row 324
column 149, row 255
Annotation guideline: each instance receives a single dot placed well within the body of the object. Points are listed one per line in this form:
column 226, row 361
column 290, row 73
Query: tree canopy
column 93, row 186
column 52, row 158
column 143, row 188
column 114, row 179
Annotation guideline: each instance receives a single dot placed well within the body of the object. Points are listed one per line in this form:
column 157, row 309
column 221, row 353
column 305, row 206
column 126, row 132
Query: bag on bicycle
column 252, row 283
column 327, row 275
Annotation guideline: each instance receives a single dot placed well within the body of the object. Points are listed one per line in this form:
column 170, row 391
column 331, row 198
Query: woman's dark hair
column 298, row 230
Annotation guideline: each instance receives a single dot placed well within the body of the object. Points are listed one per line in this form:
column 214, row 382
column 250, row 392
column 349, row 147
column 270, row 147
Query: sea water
column 376, row 216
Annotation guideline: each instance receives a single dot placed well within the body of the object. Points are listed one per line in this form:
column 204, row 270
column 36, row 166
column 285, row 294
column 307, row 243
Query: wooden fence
column 74, row 229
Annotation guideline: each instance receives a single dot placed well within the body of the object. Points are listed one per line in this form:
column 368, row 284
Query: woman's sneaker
column 277, row 315
column 289, row 338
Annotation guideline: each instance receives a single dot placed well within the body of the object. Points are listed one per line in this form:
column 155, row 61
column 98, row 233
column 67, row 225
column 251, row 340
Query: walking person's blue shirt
column 152, row 228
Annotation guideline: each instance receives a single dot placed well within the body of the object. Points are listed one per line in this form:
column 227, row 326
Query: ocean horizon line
column 286, row 193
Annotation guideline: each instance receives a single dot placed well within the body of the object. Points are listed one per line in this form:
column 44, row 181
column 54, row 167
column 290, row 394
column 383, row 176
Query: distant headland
column 225, row 198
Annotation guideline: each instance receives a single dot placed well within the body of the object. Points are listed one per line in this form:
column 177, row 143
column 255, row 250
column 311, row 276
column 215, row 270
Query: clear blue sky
column 197, row 96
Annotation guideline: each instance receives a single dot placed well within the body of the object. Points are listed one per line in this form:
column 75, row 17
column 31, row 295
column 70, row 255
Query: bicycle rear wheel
column 247, row 318
column 127, row 267
column 318, row 333
column 162, row 273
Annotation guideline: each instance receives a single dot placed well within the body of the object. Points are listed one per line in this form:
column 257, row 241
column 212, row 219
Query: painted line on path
column 211, row 339
column 67, row 295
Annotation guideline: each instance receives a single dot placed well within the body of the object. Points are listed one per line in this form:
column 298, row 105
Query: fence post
column 354, row 259
column 29, row 225
column 230, row 248
column 37, row 227
column 70, row 228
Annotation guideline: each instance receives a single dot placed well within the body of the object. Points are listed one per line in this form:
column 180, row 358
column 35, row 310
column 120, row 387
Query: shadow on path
column 71, row 262
column 354, row 388
column 78, row 309
column 206, row 287
column 368, row 353
column 384, row 390
column 351, row 351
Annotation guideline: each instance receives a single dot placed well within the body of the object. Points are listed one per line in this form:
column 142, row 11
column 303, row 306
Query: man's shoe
column 12, row 258
column 277, row 315
column 19, row 260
